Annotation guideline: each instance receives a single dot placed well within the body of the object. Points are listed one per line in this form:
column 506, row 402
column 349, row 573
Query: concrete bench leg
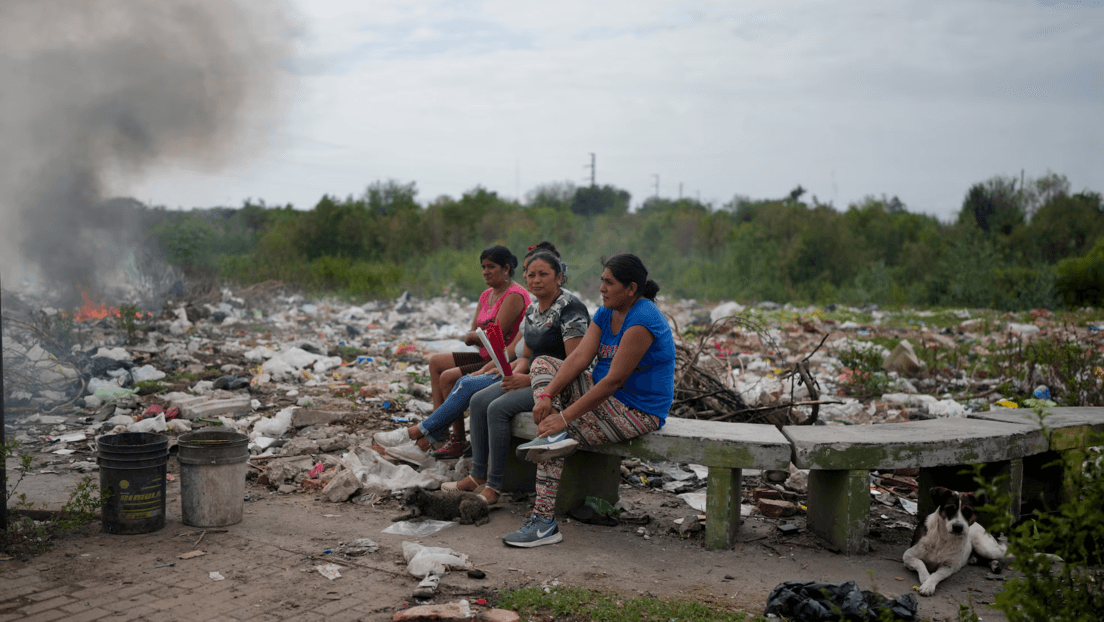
column 722, row 508
column 585, row 474
column 839, row 503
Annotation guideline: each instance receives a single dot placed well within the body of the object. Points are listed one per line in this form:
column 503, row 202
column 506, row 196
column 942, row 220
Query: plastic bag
column 695, row 500
column 372, row 470
column 418, row 529
column 810, row 601
column 151, row 424
column 275, row 426
column 427, row 560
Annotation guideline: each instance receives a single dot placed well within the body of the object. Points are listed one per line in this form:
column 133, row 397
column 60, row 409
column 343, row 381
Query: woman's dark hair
column 628, row 268
column 545, row 246
column 558, row 267
column 501, row 256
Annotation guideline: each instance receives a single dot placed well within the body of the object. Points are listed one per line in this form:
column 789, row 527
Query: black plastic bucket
column 132, row 481
column 212, row 477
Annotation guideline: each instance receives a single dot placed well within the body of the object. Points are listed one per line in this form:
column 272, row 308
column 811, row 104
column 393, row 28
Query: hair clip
column 532, row 246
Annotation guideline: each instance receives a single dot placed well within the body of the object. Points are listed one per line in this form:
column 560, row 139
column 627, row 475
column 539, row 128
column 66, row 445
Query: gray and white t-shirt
column 545, row 333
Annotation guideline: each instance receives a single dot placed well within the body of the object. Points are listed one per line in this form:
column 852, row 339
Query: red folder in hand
column 495, row 344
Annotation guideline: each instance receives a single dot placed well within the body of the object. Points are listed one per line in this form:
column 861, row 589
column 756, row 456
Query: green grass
column 580, row 604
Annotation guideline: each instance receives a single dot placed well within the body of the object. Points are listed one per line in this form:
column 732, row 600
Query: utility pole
column 656, row 175
column 592, row 169
column 680, row 191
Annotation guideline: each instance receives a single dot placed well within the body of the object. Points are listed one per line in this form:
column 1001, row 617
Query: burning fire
column 98, row 310
column 94, row 311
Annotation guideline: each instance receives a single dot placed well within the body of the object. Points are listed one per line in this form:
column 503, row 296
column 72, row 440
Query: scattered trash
column 910, row 506
column 215, row 576
column 418, row 529
column 810, row 601
column 695, row 500
column 475, row 573
column 166, row 565
column 330, row 571
column 191, row 554
column 426, row 560
column 358, row 547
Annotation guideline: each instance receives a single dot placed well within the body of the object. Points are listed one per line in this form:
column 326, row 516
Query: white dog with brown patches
column 947, row 539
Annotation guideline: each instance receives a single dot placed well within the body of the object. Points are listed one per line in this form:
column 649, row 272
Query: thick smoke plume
column 94, row 93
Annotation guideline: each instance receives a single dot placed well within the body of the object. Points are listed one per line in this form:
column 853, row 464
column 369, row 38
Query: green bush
column 1081, row 279
column 1042, row 590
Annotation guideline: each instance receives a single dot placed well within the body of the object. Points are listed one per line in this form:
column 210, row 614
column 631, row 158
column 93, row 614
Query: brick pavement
column 117, row 580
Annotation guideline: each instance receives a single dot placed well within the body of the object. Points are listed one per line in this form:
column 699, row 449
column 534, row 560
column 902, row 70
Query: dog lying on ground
column 468, row 507
column 948, row 538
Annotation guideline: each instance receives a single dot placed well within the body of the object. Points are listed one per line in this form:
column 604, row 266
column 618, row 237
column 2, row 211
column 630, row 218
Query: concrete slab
column 709, row 443
column 1073, row 426
column 302, row 417
column 936, row 442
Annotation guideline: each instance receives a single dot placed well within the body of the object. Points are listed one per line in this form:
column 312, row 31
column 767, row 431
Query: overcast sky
column 914, row 99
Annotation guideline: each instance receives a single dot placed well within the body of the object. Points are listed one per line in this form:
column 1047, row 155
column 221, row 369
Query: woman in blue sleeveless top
column 628, row 393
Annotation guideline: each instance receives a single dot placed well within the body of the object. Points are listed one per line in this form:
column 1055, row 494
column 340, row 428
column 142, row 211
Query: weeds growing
column 560, row 603
column 27, row 536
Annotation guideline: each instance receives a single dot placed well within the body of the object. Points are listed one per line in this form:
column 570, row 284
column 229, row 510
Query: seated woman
column 554, row 325
column 503, row 301
column 628, row 394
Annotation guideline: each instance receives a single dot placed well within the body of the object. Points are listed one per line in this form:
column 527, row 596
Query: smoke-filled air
column 91, row 95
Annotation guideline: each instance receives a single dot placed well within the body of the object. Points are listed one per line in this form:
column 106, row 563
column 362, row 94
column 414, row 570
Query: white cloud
column 917, row 100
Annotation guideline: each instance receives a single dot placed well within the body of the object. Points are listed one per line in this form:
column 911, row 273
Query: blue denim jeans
column 435, row 427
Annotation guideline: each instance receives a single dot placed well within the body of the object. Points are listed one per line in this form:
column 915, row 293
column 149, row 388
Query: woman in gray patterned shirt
column 554, row 325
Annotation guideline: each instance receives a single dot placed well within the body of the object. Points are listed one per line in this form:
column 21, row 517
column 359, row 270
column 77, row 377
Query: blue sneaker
column 547, row 447
column 535, row 532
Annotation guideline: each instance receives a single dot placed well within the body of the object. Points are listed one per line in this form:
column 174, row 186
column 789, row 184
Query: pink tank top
column 485, row 315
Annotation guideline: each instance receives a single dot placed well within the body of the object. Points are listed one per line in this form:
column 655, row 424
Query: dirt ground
column 616, row 559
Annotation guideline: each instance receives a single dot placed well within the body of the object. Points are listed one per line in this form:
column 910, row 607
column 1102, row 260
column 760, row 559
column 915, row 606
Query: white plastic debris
column 426, row 560
column 330, row 571
column 275, row 426
column 149, row 424
column 215, row 576
column 695, row 500
column 117, row 354
column 146, row 373
column 910, row 506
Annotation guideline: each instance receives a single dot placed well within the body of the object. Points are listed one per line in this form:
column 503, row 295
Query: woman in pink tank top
column 504, row 301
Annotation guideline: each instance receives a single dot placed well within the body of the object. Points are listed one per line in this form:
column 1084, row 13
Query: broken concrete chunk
column 776, row 509
column 310, row 416
column 902, row 359
column 341, row 487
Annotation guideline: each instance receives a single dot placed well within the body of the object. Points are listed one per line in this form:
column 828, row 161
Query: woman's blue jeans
column 435, row 427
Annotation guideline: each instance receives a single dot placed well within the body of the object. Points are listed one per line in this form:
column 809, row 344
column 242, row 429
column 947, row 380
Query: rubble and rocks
column 310, row 382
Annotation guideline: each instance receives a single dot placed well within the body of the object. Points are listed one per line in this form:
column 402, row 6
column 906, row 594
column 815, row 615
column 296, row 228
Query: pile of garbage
column 310, row 381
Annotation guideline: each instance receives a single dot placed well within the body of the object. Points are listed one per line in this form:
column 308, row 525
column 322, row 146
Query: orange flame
column 93, row 310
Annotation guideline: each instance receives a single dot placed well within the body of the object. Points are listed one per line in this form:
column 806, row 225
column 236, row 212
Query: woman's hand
column 551, row 424
column 488, row 369
column 516, row 381
column 542, row 409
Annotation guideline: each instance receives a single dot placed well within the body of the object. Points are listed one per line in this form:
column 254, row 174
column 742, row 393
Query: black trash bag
column 810, row 601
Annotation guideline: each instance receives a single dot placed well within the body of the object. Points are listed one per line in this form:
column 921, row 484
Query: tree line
column 1014, row 244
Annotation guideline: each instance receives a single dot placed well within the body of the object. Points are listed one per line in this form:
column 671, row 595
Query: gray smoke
column 93, row 93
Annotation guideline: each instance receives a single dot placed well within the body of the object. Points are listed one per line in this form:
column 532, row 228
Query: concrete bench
column 726, row 448
column 841, row 457
column 1072, row 431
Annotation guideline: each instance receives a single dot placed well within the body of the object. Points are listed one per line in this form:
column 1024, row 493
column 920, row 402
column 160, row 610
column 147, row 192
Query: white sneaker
column 411, row 454
column 394, row 438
